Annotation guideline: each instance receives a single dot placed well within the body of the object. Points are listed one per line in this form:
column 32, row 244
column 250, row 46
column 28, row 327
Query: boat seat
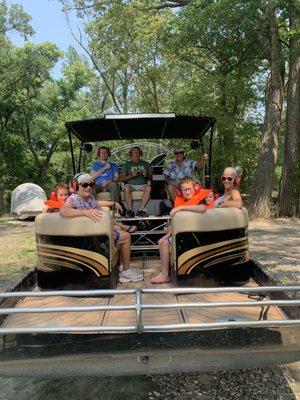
column 74, row 247
column 136, row 195
column 206, row 239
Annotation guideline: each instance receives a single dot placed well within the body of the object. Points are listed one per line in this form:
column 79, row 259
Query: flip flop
column 132, row 228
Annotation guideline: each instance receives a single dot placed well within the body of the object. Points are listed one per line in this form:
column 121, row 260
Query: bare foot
column 160, row 278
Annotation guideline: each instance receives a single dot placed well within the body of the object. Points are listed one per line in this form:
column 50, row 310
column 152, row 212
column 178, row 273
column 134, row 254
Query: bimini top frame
column 141, row 126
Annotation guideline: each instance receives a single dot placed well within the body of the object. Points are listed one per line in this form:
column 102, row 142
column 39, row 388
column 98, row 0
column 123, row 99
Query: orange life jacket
column 54, row 203
column 199, row 195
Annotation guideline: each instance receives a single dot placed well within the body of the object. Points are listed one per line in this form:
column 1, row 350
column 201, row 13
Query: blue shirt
column 107, row 175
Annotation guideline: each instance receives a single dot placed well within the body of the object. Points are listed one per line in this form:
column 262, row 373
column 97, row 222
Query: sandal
column 132, row 228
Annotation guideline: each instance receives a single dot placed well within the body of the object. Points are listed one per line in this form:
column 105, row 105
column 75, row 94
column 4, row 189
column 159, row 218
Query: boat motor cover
column 27, row 200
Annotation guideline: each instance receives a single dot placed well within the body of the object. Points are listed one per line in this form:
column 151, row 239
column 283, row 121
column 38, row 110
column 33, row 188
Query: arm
column 235, row 201
column 200, row 163
column 201, row 208
column 68, row 211
column 108, row 203
column 96, row 173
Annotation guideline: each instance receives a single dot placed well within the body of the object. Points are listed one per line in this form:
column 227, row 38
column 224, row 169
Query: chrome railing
column 139, row 306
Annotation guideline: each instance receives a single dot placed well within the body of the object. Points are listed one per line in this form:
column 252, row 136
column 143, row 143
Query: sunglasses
column 178, row 152
column 85, row 185
column 227, row 178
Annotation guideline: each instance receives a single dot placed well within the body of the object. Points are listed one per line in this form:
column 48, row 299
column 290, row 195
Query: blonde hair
column 232, row 171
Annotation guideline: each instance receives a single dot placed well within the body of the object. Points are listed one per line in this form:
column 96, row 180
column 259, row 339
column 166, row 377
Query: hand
column 174, row 211
column 205, row 157
column 105, row 183
column 134, row 173
column 106, row 166
column 168, row 229
column 119, row 207
column 94, row 214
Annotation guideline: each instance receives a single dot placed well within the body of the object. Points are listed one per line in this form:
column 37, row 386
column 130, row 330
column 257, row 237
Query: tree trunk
column 289, row 185
column 261, row 191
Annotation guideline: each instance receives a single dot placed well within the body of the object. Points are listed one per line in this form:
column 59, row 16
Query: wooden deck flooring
column 150, row 317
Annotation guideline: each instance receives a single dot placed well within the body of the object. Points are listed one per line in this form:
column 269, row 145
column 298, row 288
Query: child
column 58, row 197
column 188, row 199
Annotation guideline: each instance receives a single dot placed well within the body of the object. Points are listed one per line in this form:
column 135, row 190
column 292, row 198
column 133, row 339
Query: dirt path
column 276, row 245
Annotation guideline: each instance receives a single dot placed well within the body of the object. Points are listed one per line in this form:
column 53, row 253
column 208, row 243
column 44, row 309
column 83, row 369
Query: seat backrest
column 213, row 220
column 54, row 225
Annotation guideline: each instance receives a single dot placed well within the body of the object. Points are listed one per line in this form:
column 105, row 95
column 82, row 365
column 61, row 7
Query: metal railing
column 139, row 306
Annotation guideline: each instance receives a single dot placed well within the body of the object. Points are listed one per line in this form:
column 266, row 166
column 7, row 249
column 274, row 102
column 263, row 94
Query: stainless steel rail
column 139, row 307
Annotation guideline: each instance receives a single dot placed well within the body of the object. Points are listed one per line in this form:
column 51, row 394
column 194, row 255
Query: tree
column 290, row 178
column 261, row 192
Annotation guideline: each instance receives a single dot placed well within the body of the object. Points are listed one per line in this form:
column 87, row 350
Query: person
column 180, row 167
column 231, row 196
column 106, row 174
column 58, row 197
column 136, row 175
column 82, row 203
column 188, row 199
column 238, row 179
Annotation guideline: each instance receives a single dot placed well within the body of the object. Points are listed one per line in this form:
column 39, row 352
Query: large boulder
column 27, row 201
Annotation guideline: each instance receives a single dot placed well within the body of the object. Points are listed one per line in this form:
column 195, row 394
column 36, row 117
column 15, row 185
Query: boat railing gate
column 139, row 306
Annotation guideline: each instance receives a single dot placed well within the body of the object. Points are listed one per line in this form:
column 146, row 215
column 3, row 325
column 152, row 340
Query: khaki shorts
column 135, row 187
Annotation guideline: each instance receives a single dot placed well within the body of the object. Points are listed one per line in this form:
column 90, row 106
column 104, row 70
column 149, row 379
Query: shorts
column 135, row 187
column 117, row 237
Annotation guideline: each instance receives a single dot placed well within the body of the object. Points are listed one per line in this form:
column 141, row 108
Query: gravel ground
column 259, row 384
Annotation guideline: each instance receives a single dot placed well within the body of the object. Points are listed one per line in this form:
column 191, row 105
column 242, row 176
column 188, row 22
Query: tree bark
column 290, row 185
column 261, row 191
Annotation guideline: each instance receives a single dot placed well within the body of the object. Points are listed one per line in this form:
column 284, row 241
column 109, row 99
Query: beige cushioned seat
column 55, row 225
column 103, row 196
column 215, row 219
column 136, row 195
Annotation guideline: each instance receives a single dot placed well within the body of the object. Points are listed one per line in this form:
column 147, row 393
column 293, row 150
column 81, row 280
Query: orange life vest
column 54, row 203
column 199, row 195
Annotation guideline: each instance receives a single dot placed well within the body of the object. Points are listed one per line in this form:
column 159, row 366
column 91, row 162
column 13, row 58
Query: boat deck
column 127, row 317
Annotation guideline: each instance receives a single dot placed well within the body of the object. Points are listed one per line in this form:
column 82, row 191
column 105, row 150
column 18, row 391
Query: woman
column 188, row 199
column 82, row 203
column 231, row 196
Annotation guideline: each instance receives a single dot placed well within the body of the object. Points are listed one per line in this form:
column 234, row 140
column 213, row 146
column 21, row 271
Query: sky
column 49, row 24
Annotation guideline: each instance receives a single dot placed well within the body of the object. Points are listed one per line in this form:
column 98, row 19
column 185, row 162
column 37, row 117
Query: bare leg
column 146, row 196
column 164, row 276
column 125, row 248
column 128, row 196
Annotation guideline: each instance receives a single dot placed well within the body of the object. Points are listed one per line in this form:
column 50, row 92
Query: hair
column 232, row 171
column 60, row 185
column 185, row 179
column 103, row 148
column 83, row 176
column 135, row 148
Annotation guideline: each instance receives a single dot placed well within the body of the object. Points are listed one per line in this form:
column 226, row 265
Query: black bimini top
column 141, row 126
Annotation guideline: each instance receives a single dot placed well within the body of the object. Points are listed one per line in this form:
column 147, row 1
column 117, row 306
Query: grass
column 17, row 252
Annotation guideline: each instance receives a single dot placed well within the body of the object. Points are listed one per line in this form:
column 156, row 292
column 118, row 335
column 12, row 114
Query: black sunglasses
column 85, row 185
column 227, row 178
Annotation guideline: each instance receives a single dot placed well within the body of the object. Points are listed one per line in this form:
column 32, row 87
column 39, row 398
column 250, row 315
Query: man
column 136, row 175
column 180, row 167
column 106, row 174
